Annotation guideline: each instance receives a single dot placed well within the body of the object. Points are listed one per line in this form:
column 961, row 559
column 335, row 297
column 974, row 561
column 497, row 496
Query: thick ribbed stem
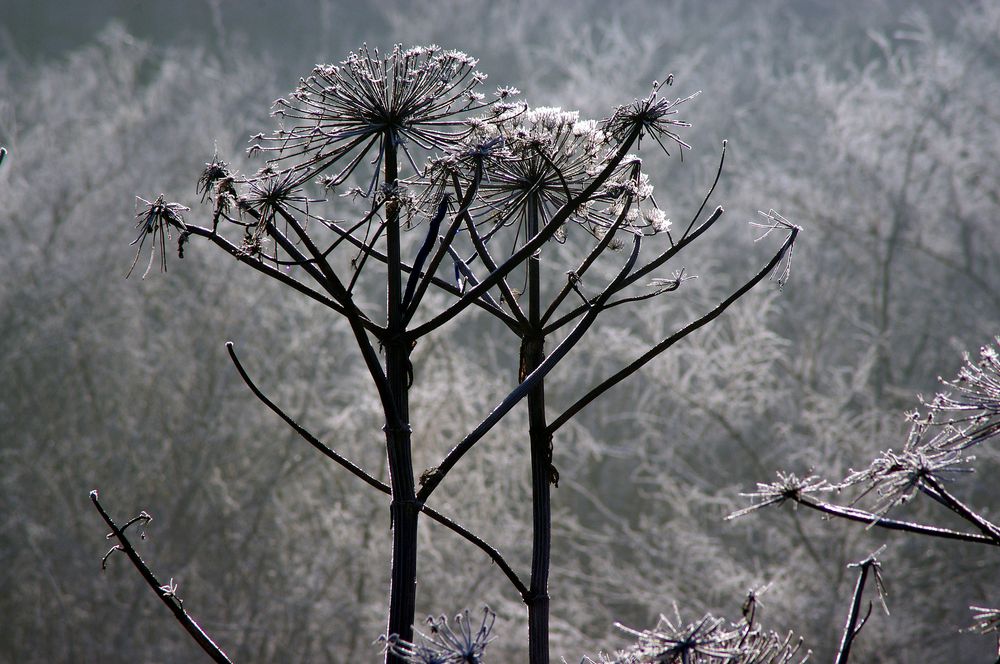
column 532, row 355
column 403, row 509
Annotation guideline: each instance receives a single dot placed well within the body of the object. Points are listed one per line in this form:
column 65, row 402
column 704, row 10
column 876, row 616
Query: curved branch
column 355, row 317
column 368, row 479
column 494, row 555
column 354, row 469
column 484, row 255
column 590, row 259
column 432, row 267
column 272, row 272
column 711, row 190
column 428, row 279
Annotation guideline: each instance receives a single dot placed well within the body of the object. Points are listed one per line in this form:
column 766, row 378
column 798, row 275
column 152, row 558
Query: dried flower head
column 267, row 196
column 653, row 115
column 445, row 645
column 788, row 487
column 775, row 221
column 402, row 98
column 154, row 219
column 551, row 156
column 897, row 476
column 709, row 640
column 530, row 162
column 215, row 172
column 971, row 404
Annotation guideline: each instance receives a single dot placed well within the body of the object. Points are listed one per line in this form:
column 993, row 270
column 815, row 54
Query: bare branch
column 272, row 272
column 860, row 516
column 429, row 277
column 494, row 555
column 355, row 317
column 659, row 348
column 645, row 269
column 958, row 507
column 711, row 190
column 467, row 272
column 590, row 259
column 484, row 255
column 354, row 469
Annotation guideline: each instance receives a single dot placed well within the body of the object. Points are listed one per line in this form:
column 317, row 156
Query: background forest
column 875, row 125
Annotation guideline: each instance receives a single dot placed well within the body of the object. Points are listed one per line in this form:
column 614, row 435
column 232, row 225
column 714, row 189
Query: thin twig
column 647, row 268
column 164, row 591
column 711, row 190
column 484, row 255
column 270, row 271
column 860, row 516
column 355, row 317
column 591, row 258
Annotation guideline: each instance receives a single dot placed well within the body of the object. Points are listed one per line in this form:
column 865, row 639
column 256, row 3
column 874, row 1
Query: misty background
column 874, row 125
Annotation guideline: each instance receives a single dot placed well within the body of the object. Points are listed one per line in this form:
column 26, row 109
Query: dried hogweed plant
column 964, row 415
column 394, row 171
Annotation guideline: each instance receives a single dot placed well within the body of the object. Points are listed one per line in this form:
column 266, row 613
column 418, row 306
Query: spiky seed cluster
column 215, row 172
column 966, row 415
column 971, row 404
column 710, row 640
column 654, row 116
column 342, row 112
column 267, row 194
column 897, row 476
column 551, row 155
column 788, row 487
column 445, row 645
column 535, row 160
column 155, row 219
column 630, row 193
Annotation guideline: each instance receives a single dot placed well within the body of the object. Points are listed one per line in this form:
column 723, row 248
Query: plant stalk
column 532, row 355
column 404, row 508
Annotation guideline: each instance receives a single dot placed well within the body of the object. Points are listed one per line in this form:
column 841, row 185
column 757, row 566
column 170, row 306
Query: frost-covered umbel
column 528, row 162
column 461, row 644
column 710, row 640
column 341, row 113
